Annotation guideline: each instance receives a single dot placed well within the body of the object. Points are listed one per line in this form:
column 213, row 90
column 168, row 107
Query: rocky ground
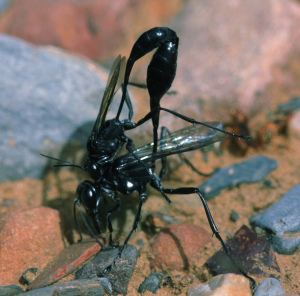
column 242, row 71
column 57, row 191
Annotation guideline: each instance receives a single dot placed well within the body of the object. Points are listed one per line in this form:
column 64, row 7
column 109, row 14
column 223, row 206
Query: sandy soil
column 57, row 190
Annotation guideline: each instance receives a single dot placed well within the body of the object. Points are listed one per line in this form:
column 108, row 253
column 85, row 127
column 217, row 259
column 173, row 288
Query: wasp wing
column 187, row 139
column 114, row 82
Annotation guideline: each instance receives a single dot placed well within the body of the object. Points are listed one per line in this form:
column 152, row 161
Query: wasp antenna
column 70, row 163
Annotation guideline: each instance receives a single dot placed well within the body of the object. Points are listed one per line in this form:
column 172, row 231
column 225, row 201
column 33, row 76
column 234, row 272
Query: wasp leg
column 90, row 229
column 76, row 220
column 153, row 112
column 108, row 217
column 213, row 226
column 142, row 198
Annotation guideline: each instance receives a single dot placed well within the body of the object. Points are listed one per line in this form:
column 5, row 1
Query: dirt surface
column 57, row 190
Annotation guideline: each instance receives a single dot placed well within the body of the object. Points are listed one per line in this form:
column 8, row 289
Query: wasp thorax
column 93, row 168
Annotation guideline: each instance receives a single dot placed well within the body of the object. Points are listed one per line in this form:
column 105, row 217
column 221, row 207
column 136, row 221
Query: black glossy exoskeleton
column 113, row 174
column 108, row 136
column 129, row 173
column 161, row 70
column 160, row 75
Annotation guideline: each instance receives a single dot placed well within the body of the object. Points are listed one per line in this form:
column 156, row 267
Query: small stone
column 177, row 246
column 222, row 285
column 253, row 170
column 259, row 231
column 11, row 290
column 269, row 287
column 282, row 222
column 73, row 288
column 253, row 254
column 106, row 284
column 29, row 237
column 290, row 107
column 267, row 184
column 294, row 125
column 120, row 273
column 152, row 283
column 30, row 275
column 69, row 260
column 234, row 216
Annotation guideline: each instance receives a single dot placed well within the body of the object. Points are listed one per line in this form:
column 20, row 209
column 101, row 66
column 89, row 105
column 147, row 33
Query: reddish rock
column 68, row 261
column 93, row 28
column 76, row 26
column 254, row 254
column 29, row 237
column 177, row 246
column 235, row 55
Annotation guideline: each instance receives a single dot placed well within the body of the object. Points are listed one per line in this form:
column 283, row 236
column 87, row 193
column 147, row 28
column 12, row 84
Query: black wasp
column 113, row 174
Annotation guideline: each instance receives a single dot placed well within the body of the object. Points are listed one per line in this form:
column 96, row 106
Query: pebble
column 289, row 107
column 269, row 287
column 282, row 222
column 30, row 275
column 152, row 283
column 120, row 274
column 47, row 98
column 294, row 125
column 29, row 237
column 253, row 170
column 234, row 216
column 11, row 290
column 178, row 245
column 254, row 254
column 74, row 288
column 222, row 285
column 68, row 261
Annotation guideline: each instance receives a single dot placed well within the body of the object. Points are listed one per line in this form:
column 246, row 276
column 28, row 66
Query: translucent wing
column 187, row 139
column 114, row 82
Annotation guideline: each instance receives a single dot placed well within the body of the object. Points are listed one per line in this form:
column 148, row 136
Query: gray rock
column 253, row 170
column 292, row 106
column 269, row 287
column 47, row 98
column 152, row 283
column 4, row 4
column 120, row 273
column 282, row 222
column 234, row 216
column 11, row 290
column 90, row 287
